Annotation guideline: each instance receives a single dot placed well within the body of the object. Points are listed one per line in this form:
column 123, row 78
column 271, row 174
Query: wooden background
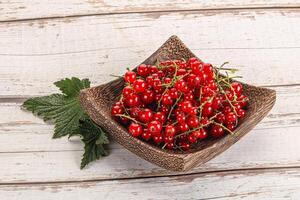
column 42, row 41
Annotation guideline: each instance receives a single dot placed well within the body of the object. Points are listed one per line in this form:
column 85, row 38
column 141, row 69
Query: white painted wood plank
column 259, row 149
column 29, row 154
column 34, row 54
column 258, row 184
column 24, row 9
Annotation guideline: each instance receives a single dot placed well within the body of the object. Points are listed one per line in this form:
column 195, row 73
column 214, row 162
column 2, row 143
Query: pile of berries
column 178, row 103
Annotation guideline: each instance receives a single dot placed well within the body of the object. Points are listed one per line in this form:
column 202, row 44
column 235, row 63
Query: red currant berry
column 147, row 96
column 166, row 100
column 185, row 146
column 220, row 118
column 204, row 121
column 146, row 135
column 132, row 100
column 217, row 131
column 135, row 111
column 231, row 127
column 173, row 93
column 230, row 118
column 159, row 116
column 153, row 69
column 116, row 109
column 154, row 127
column 207, row 110
column 168, row 138
column 192, row 139
column 170, row 146
column 146, row 115
column 170, row 130
column 135, row 129
column 185, row 106
column 143, row 70
column 183, row 127
column 149, row 81
column 241, row 113
column 130, row 76
column 139, row 85
column 200, row 134
column 236, row 88
column 180, row 118
column 216, row 103
column 126, row 91
column 157, row 139
column 193, row 121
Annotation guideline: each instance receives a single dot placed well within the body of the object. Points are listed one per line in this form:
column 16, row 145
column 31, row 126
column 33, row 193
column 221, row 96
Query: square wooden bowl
column 97, row 102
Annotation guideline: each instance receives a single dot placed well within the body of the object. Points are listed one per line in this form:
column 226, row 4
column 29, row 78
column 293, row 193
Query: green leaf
column 69, row 118
column 71, row 87
column 94, row 138
column 64, row 110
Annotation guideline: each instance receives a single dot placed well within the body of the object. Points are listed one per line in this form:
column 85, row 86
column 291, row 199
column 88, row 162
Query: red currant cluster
column 177, row 103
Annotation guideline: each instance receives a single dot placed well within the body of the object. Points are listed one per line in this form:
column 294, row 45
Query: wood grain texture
column 248, row 184
column 35, row 54
column 25, row 10
column 257, row 150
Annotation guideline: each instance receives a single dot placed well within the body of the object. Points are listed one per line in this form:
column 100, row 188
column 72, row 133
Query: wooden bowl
column 97, row 102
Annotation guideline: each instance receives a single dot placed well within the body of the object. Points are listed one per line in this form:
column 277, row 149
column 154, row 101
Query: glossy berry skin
column 139, row 85
column 130, row 76
column 180, row 85
column 241, row 113
column 237, row 88
column 168, row 138
column 132, row 100
column 135, row 129
column 217, row 131
column 180, row 118
column 116, row 109
column 183, row 127
column 157, row 139
column 170, row 130
column 159, row 116
column 154, row 127
column 146, row 115
column 127, row 91
column 207, row 110
column 166, row 100
column 147, row 96
column 170, row 146
column 185, row 106
column 200, row 134
column 193, row 121
column 146, row 135
column 173, row 93
column 192, row 139
column 230, row 118
column 185, row 146
column 220, row 118
column 143, row 70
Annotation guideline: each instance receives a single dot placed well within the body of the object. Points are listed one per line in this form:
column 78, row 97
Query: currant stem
column 130, row 118
column 224, row 127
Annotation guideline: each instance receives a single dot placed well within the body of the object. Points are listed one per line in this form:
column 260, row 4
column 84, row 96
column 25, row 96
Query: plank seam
column 229, row 171
column 155, row 11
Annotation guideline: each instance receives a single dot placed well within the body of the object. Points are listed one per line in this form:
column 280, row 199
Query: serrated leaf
column 64, row 110
column 94, row 138
column 71, row 87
